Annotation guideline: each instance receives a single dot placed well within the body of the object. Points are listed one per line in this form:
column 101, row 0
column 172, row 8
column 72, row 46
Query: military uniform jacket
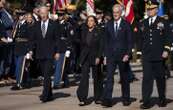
column 154, row 39
column 24, row 32
column 67, row 35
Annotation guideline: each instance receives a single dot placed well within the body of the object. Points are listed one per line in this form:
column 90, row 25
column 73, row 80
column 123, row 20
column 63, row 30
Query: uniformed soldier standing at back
column 2, row 34
column 155, row 49
column 171, row 34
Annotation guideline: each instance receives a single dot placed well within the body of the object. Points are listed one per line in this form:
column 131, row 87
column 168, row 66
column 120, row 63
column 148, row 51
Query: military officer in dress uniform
column 2, row 34
column 155, row 47
column 21, row 49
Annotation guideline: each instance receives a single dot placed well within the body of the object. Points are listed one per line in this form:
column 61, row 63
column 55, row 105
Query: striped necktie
column 43, row 29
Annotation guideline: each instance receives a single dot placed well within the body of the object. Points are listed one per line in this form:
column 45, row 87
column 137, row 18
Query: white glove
column 171, row 48
column 105, row 61
column 67, row 53
column 4, row 40
column 29, row 55
column 9, row 40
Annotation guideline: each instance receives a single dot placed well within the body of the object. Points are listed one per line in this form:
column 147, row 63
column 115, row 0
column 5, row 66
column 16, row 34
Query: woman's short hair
column 92, row 16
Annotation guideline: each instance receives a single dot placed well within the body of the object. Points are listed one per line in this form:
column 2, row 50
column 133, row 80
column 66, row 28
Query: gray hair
column 43, row 7
column 120, row 7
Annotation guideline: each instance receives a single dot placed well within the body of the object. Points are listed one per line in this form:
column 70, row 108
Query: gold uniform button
column 151, row 39
column 151, row 30
column 151, row 43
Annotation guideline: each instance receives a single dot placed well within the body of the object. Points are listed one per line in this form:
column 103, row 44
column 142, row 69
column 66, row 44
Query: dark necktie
column 116, row 27
column 43, row 29
column 151, row 21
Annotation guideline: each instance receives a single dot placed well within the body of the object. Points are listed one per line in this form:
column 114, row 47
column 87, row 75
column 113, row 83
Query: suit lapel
column 39, row 29
column 156, row 21
column 48, row 28
column 120, row 27
column 112, row 29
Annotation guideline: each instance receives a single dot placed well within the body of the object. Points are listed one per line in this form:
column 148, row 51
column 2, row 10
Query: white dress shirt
column 118, row 23
column 153, row 20
column 46, row 24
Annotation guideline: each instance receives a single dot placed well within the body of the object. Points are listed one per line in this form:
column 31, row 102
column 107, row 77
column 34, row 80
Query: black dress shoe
column 57, row 87
column 44, row 100
column 82, row 103
column 98, row 102
column 65, row 86
column 107, row 103
column 145, row 105
column 26, row 86
column 140, row 101
column 162, row 103
column 133, row 79
column 126, row 103
column 16, row 87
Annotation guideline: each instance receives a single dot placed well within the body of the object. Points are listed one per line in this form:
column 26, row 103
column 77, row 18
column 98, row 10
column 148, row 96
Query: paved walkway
column 66, row 98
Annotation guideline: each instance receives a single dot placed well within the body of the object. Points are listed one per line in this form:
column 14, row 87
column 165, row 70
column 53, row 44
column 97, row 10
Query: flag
column 59, row 4
column 90, row 7
column 129, row 12
column 161, row 8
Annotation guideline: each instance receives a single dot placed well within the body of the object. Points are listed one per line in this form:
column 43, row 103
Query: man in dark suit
column 155, row 47
column 46, row 41
column 118, row 46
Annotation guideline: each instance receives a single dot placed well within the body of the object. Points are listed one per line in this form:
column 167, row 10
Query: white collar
column 118, row 22
column 153, row 18
column 99, row 21
column 22, row 22
column 46, row 22
column 36, row 16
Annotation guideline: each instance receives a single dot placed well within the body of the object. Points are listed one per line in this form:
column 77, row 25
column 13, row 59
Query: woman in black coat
column 91, row 51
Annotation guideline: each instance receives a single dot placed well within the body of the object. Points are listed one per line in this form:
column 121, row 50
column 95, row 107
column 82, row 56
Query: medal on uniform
column 71, row 32
column 160, row 26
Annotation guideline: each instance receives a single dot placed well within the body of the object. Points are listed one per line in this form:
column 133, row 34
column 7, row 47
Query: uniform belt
column 21, row 40
column 63, row 38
